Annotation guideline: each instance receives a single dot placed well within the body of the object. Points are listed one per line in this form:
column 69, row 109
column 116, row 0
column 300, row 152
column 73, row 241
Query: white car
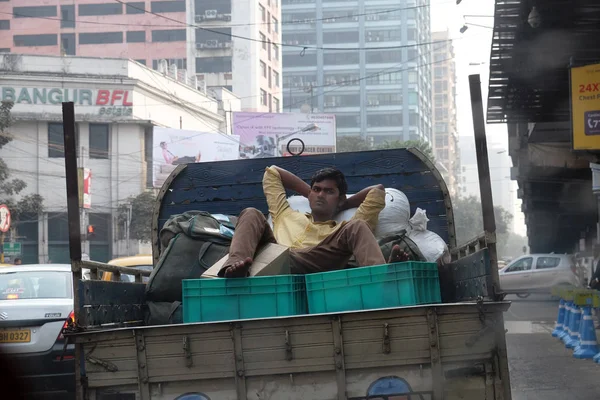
column 36, row 302
column 538, row 273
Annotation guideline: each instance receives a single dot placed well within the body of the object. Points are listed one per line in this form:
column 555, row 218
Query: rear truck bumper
column 45, row 375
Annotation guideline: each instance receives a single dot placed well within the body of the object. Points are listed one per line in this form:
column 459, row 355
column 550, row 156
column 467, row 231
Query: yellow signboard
column 585, row 107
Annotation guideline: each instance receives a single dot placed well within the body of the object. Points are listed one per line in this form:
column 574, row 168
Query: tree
column 468, row 222
column 142, row 208
column 351, row 143
column 10, row 187
column 422, row 146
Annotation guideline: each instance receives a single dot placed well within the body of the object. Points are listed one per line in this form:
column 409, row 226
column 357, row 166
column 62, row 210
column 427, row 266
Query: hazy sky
column 473, row 47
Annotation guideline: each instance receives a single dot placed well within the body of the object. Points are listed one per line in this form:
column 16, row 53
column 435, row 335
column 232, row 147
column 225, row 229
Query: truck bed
column 440, row 351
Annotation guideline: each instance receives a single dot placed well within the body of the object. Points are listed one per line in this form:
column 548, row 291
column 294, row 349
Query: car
column 538, row 273
column 36, row 304
column 141, row 261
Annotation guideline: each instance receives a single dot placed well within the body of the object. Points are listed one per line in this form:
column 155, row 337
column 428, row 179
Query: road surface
column 541, row 368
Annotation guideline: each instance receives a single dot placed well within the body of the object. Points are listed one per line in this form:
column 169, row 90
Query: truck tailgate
column 442, row 351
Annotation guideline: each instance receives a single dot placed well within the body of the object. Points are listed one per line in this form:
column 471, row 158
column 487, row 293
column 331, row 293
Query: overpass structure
column 534, row 45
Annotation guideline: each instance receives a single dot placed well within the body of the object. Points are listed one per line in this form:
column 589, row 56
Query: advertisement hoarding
column 172, row 147
column 267, row 134
column 585, row 107
column 84, row 176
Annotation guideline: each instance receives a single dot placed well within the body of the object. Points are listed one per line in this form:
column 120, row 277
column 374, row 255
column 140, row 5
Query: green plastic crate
column 218, row 299
column 381, row 286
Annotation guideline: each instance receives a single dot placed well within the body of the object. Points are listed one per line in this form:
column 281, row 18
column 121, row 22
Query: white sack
column 432, row 246
column 394, row 217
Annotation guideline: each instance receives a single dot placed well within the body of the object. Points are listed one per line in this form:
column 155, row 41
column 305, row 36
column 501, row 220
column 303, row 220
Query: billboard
column 84, row 176
column 172, row 147
column 585, row 107
column 267, row 134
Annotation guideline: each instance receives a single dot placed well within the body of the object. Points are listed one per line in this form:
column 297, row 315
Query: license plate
column 15, row 336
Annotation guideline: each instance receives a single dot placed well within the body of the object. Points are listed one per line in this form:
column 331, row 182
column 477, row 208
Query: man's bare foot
column 239, row 269
column 397, row 255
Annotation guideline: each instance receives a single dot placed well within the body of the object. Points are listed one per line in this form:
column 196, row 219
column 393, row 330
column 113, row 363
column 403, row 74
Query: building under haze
column 381, row 94
column 161, row 35
column 117, row 104
column 445, row 134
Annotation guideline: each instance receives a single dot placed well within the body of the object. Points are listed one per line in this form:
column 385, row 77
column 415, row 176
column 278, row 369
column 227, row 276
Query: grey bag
column 192, row 243
column 164, row 313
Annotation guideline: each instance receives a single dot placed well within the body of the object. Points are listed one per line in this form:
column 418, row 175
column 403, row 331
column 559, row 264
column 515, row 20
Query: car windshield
column 19, row 285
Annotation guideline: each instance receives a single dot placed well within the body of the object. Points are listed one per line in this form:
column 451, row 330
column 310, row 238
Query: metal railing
column 93, row 267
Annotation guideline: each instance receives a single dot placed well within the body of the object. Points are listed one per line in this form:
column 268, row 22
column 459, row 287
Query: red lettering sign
column 126, row 101
column 117, row 94
column 103, row 97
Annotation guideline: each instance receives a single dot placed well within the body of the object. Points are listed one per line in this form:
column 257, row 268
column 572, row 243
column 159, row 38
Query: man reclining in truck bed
column 317, row 243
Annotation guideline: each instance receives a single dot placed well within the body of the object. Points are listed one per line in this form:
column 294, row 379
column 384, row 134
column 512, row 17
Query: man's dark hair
column 332, row 174
column 17, row 259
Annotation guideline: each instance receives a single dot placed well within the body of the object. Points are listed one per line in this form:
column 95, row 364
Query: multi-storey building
column 238, row 48
column 445, row 135
column 366, row 61
column 117, row 104
column 219, row 44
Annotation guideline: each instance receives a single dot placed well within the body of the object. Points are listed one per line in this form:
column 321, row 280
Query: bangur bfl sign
column 107, row 102
column 585, row 107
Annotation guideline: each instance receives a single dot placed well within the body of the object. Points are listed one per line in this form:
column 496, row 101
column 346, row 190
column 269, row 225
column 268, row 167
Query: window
column 98, row 141
column 268, row 22
column 276, row 107
column 383, row 35
column 347, row 121
column 36, row 11
column 341, row 37
column 438, row 72
column 4, row 50
column 276, row 78
column 169, row 35
column 523, row 264
column 276, row 51
column 167, row 6
column 411, row 34
column 180, row 62
column 269, row 49
column 384, row 56
column 101, row 37
column 270, row 103
column 143, row 62
column 336, row 58
column 67, row 44
column 100, row 9
column 275, row 24
column 296, row 60
column 263, row 16
column 270, row 78
column 413, row 98
column 263, row 40
column 441, row 128
column 136, row 36
column 263, row 97
column 393, row 120
column 36, row 285
column 263, row 69
column 137, row 7
column 35, row 40
column 4, row 24
column 67, row 16
column 56, row 140
column 213, row 65
column 412, row 77
column 547, row 262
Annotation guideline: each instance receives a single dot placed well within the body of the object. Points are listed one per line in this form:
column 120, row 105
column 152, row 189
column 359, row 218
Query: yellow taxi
column 141, row 261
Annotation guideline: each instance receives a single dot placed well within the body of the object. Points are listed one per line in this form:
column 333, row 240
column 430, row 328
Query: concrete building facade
column 445, row 132
column 367, row 62
column 188, row 38
column 117, row 104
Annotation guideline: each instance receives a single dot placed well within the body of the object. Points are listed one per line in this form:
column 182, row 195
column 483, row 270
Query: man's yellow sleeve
column 370, row 208
column 275, row 193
